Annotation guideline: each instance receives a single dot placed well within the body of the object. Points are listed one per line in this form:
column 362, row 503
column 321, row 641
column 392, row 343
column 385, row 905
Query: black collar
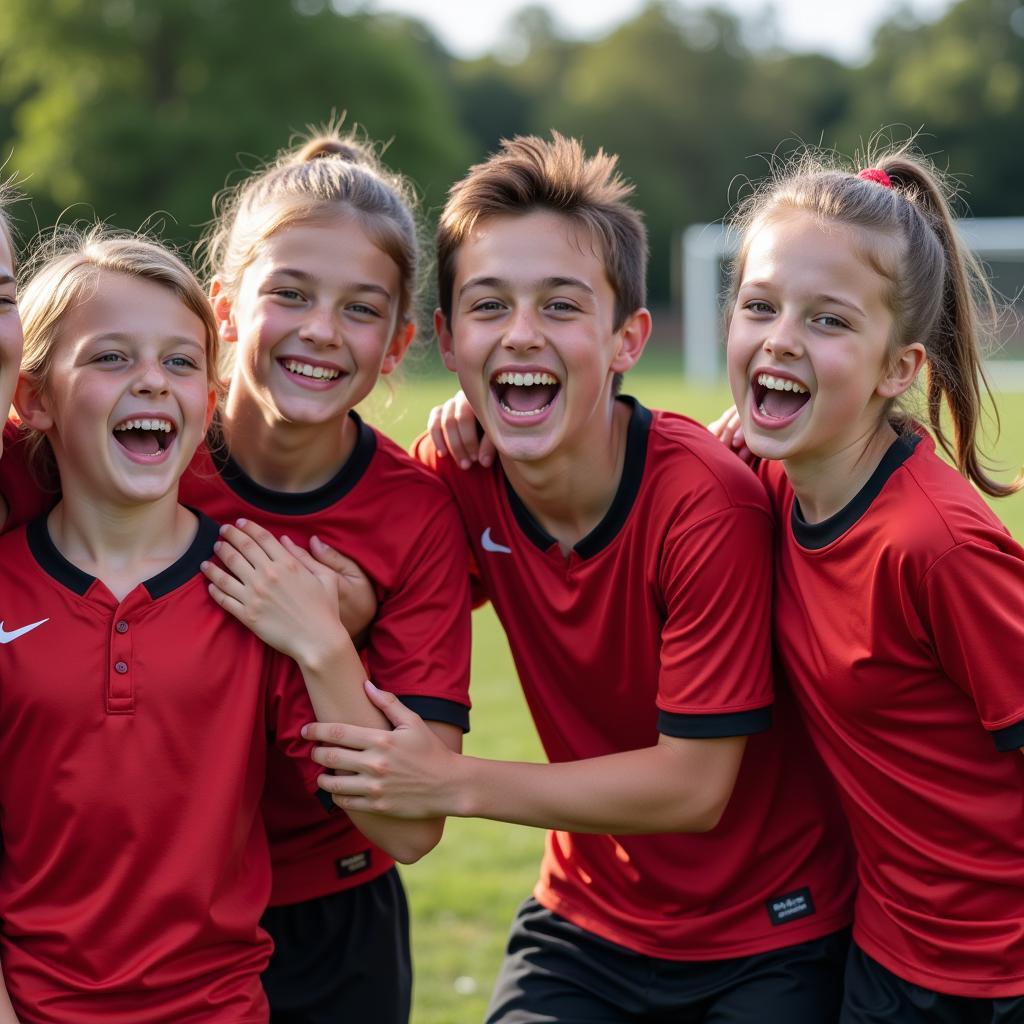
column 175, row 575
column 629, row 485
column 820, row 535
column 304, row 502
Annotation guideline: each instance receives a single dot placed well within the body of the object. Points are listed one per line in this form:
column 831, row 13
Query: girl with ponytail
column 899, row 611
column 313, row 268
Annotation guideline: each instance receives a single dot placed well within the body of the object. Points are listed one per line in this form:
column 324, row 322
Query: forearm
column 334, row 680
column 655, row 789
column 7, row 1015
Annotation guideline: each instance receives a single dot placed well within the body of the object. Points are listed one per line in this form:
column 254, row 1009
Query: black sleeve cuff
column 437, row 709
column 709, row 727
column 326, row 800
column 1010, row 738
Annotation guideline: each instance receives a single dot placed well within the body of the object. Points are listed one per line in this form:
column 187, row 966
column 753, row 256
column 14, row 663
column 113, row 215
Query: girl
column 313, row 265
column 899, row 596
column 134, row 713
column 10, row 322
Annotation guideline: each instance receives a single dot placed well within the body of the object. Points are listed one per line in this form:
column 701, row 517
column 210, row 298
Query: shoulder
column 685, row 456
column 400, row 469
column 938, row 509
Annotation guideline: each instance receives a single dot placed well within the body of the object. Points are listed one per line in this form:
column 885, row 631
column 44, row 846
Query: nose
column 151, row 378
column 783, row 340
column 319, row 327
column 523, row 334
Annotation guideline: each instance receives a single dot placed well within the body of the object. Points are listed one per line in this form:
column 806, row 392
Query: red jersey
column 900, row 622
column 133, row 739
column 658, row 621
column 21, row 488
column 399, row 523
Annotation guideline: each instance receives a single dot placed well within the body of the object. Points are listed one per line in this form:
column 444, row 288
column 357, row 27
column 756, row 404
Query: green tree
column 134, row 106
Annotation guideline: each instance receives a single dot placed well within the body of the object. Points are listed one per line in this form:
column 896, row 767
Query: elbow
column 408, row 849
column 703, row 813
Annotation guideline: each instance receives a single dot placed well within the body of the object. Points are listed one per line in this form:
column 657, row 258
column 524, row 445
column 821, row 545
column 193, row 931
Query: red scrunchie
column 877, row 175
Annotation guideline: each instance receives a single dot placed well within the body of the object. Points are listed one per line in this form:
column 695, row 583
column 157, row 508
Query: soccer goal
column 997, row 241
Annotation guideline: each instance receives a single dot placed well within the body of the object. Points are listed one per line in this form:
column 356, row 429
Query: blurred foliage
column 126, row 108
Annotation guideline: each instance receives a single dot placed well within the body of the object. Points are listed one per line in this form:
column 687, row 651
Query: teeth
column 307, row 370
column 164, row 425
column 766, row 380
column 520, row 380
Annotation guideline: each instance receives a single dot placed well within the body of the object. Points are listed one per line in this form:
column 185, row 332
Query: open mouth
column 779, row 397
column 310, row 370
column 525, row 394
column 145, row 436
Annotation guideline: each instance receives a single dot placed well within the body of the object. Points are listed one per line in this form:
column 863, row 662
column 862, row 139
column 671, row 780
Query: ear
column 902, row 371
column 445, row 341
column 633, row 336
column 211, row 408
column 32, row 404
column 398, row 346
column 223, row 312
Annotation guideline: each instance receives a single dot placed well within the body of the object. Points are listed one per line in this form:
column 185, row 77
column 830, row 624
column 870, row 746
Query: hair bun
column 328, row 146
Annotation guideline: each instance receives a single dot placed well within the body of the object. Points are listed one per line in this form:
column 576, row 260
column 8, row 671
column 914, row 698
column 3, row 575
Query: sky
column 470, row 28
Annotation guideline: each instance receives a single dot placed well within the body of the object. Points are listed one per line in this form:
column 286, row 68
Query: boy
column 627, row 554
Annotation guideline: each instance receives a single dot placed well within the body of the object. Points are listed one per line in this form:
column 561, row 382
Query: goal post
column 997, row 241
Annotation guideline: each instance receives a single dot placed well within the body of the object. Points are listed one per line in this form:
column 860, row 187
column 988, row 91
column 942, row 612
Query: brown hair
column 937, row 291
column 329, row 173
column 66, row 271
column 530, row 173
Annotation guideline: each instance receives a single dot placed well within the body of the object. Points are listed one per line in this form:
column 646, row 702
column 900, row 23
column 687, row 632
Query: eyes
column 761, row 309
column 292, row 297
column 178, row 362
column 558, row 308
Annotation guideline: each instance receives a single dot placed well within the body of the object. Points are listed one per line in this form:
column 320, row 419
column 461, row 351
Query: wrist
column 326, row 653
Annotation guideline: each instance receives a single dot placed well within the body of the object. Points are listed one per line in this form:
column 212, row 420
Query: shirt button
column 122, row 626
column 121, row 666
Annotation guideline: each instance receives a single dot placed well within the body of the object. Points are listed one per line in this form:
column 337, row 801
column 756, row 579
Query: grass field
column 463, row 896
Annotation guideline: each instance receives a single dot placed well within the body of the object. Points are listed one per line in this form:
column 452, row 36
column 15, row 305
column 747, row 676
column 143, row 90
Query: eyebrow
column 301, row 275
column 823, row 297
column 544, row 283
column 7, row 279
column 122, row 338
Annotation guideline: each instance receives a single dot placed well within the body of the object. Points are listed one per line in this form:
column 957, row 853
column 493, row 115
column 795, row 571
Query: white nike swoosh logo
column 486, row 543
column 6, row 636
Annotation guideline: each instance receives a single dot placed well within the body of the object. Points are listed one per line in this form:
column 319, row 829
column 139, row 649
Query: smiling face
column 809, row 354
column 316, row 321
column 10, row 328
column 127, row 398
column 532, row 333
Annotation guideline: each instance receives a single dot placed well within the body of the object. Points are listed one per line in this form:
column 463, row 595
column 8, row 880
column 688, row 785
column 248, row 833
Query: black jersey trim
column 301, row 503
column 1010, row 738
column 710, row 727
column 438, row 709
column 625, row 495
column 181, row 571
column 76, row 580
column 819, row 535
column 52, row 561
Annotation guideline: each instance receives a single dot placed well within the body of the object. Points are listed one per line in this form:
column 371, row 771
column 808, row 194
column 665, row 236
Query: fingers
column 333, row 559
column 436, row 431
column 302, row 555
column 223, row 583
column 487, row 451
column 460, row 427
column 395, row 711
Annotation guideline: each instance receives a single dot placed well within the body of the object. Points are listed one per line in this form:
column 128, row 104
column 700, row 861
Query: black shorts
column 341, row 958
column 555, row 971
column 874, row 995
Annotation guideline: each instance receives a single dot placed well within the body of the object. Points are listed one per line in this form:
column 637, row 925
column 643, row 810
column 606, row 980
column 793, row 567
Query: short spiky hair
column 529, row 173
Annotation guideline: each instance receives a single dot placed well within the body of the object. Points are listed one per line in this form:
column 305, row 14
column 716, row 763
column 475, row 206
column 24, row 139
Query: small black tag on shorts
column 790, row 907
column 353, row 863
